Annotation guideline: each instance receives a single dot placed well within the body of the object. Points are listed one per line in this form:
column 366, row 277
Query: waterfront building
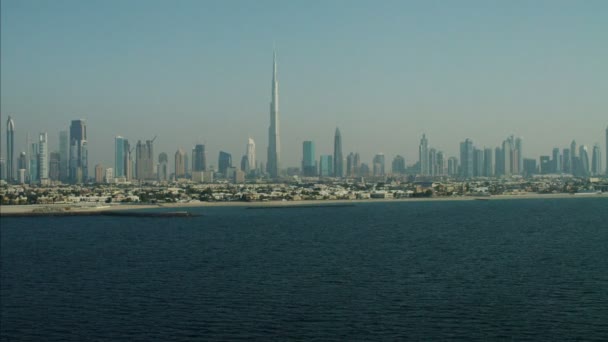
column 180, row 167
column 245, row 164
column 573, row 162
column 338, row 158
column 64, row 148
column 54, row 166
column 596, row 161
column 326, row 166
column 556, row 161
column 583, row 161
column 566, row 161
column 78, row 159
column 423, row 156
column 274, row 142
column 606, row 149
column 144, row 160
column 488, row 165
column 398, row 165
column 309, row 162
column 224, row 162
column 163, row 167
column 466, row 159
column 109, row 175
column 499, row 163
column 199, row 158
column 453, row 166
column 378, row 165
column 529, row 167
column 440, row 164
column 119, row 157
column 99, row 173
column 250, row 154
column 10, row 149
column 33, row 165
column 478, row 162
column 518, row 156
column 43, row 157
column 432, row 158
column 545, row 165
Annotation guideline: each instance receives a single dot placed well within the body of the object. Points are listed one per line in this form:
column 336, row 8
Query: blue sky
column 384, row 72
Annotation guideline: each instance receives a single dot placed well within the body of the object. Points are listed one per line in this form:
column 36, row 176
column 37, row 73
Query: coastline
column 75, row 210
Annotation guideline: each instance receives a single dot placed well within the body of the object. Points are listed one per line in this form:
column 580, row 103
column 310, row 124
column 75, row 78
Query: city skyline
column 381, row 102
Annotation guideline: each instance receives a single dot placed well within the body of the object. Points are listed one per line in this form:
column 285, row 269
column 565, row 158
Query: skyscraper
column 163, row 169
column 55, row 160
column 63, row 155
column 573, row 159
column 10, row 149
column 309, row 162
column 423, row 156
column 478, row 162
column 199, row 158
column 566, row 160
column 499, row 162
column 518, row 157
column 33, row 167
column 78, row 161
column 43, row 157
column 556, row 161
column 251, row 153
column 488, row 165
column 119, row 157
column 274, row 141
column 144, row 160
column 466, row 159
column 224, row 162
column 583, row 161
column 606, row 160
column 398, row 165
column 326, row 166
column 596, row 160
column 180, row 167
column 379, row 164
column 338, row 158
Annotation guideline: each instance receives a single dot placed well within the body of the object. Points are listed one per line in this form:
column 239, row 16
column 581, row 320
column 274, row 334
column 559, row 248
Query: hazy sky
column 383, row 71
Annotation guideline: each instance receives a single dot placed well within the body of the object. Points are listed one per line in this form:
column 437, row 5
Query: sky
column 384, row 72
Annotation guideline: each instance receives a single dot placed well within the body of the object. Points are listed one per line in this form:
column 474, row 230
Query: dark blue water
column 469, row 270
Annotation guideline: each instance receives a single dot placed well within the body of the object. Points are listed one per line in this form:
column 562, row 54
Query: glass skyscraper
column 309, row 162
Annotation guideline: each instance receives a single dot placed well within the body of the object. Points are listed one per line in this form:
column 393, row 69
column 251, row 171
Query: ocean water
column 453, row 270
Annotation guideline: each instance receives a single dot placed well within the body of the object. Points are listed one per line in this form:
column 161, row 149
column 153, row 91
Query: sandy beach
column 41, row 209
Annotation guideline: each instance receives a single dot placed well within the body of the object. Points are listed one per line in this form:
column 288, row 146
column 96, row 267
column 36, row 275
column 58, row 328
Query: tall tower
column 78, row 164
column 338, row 158
column 606, row 151
column 43, row 157
column 63, row 155
column 251, row 153
column 10, row 149
column 274, row 142
column 423, row 156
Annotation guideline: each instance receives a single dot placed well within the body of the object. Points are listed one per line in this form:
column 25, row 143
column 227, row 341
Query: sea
column 526, row 269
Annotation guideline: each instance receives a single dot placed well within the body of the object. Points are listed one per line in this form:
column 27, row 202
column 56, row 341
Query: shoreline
column 91, row 210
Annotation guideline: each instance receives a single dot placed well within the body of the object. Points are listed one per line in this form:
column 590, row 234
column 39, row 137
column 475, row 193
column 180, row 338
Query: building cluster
column 138, row 163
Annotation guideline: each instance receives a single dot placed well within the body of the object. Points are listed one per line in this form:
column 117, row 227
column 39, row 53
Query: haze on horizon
column 383, row 72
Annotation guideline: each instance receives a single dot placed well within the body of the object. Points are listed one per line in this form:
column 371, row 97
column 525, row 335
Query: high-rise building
column 338, row 158
column 466, row 159
column 350, row 163
column 452, row 166
column 22, row 162
column 583, row 171
column 43, row 157
column 398, row 165
column 199, row 158
column 508, row 148
column 478, row 162
column 423, row 156
column 606, row 147
column 119, row 157
column 274, row 142
column 309, row 161
column 357, row 165
column 10, row 150
column 54, row 166
column 224, row 162
column 573, row 162
column 33, row 166
column 518, row 156
column 78, row 161
column 499, row 162
column 144, row 160
column 180, row 167
column 529, row 167
column 432, row 162
column 596, row 161
column 109, row 175
column 566, row 161
column 250, row 154
column 545, row 165
column 99, row 173
column 488, row 165
column 556, row 161
column 163, row 167
column 379, row 165
column 326, row 166
column 64, row 148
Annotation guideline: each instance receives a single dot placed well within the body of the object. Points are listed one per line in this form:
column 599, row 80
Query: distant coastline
column 90, row 210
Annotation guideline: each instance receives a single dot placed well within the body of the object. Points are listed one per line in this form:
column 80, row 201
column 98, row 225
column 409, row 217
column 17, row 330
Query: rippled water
column 470, row 270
